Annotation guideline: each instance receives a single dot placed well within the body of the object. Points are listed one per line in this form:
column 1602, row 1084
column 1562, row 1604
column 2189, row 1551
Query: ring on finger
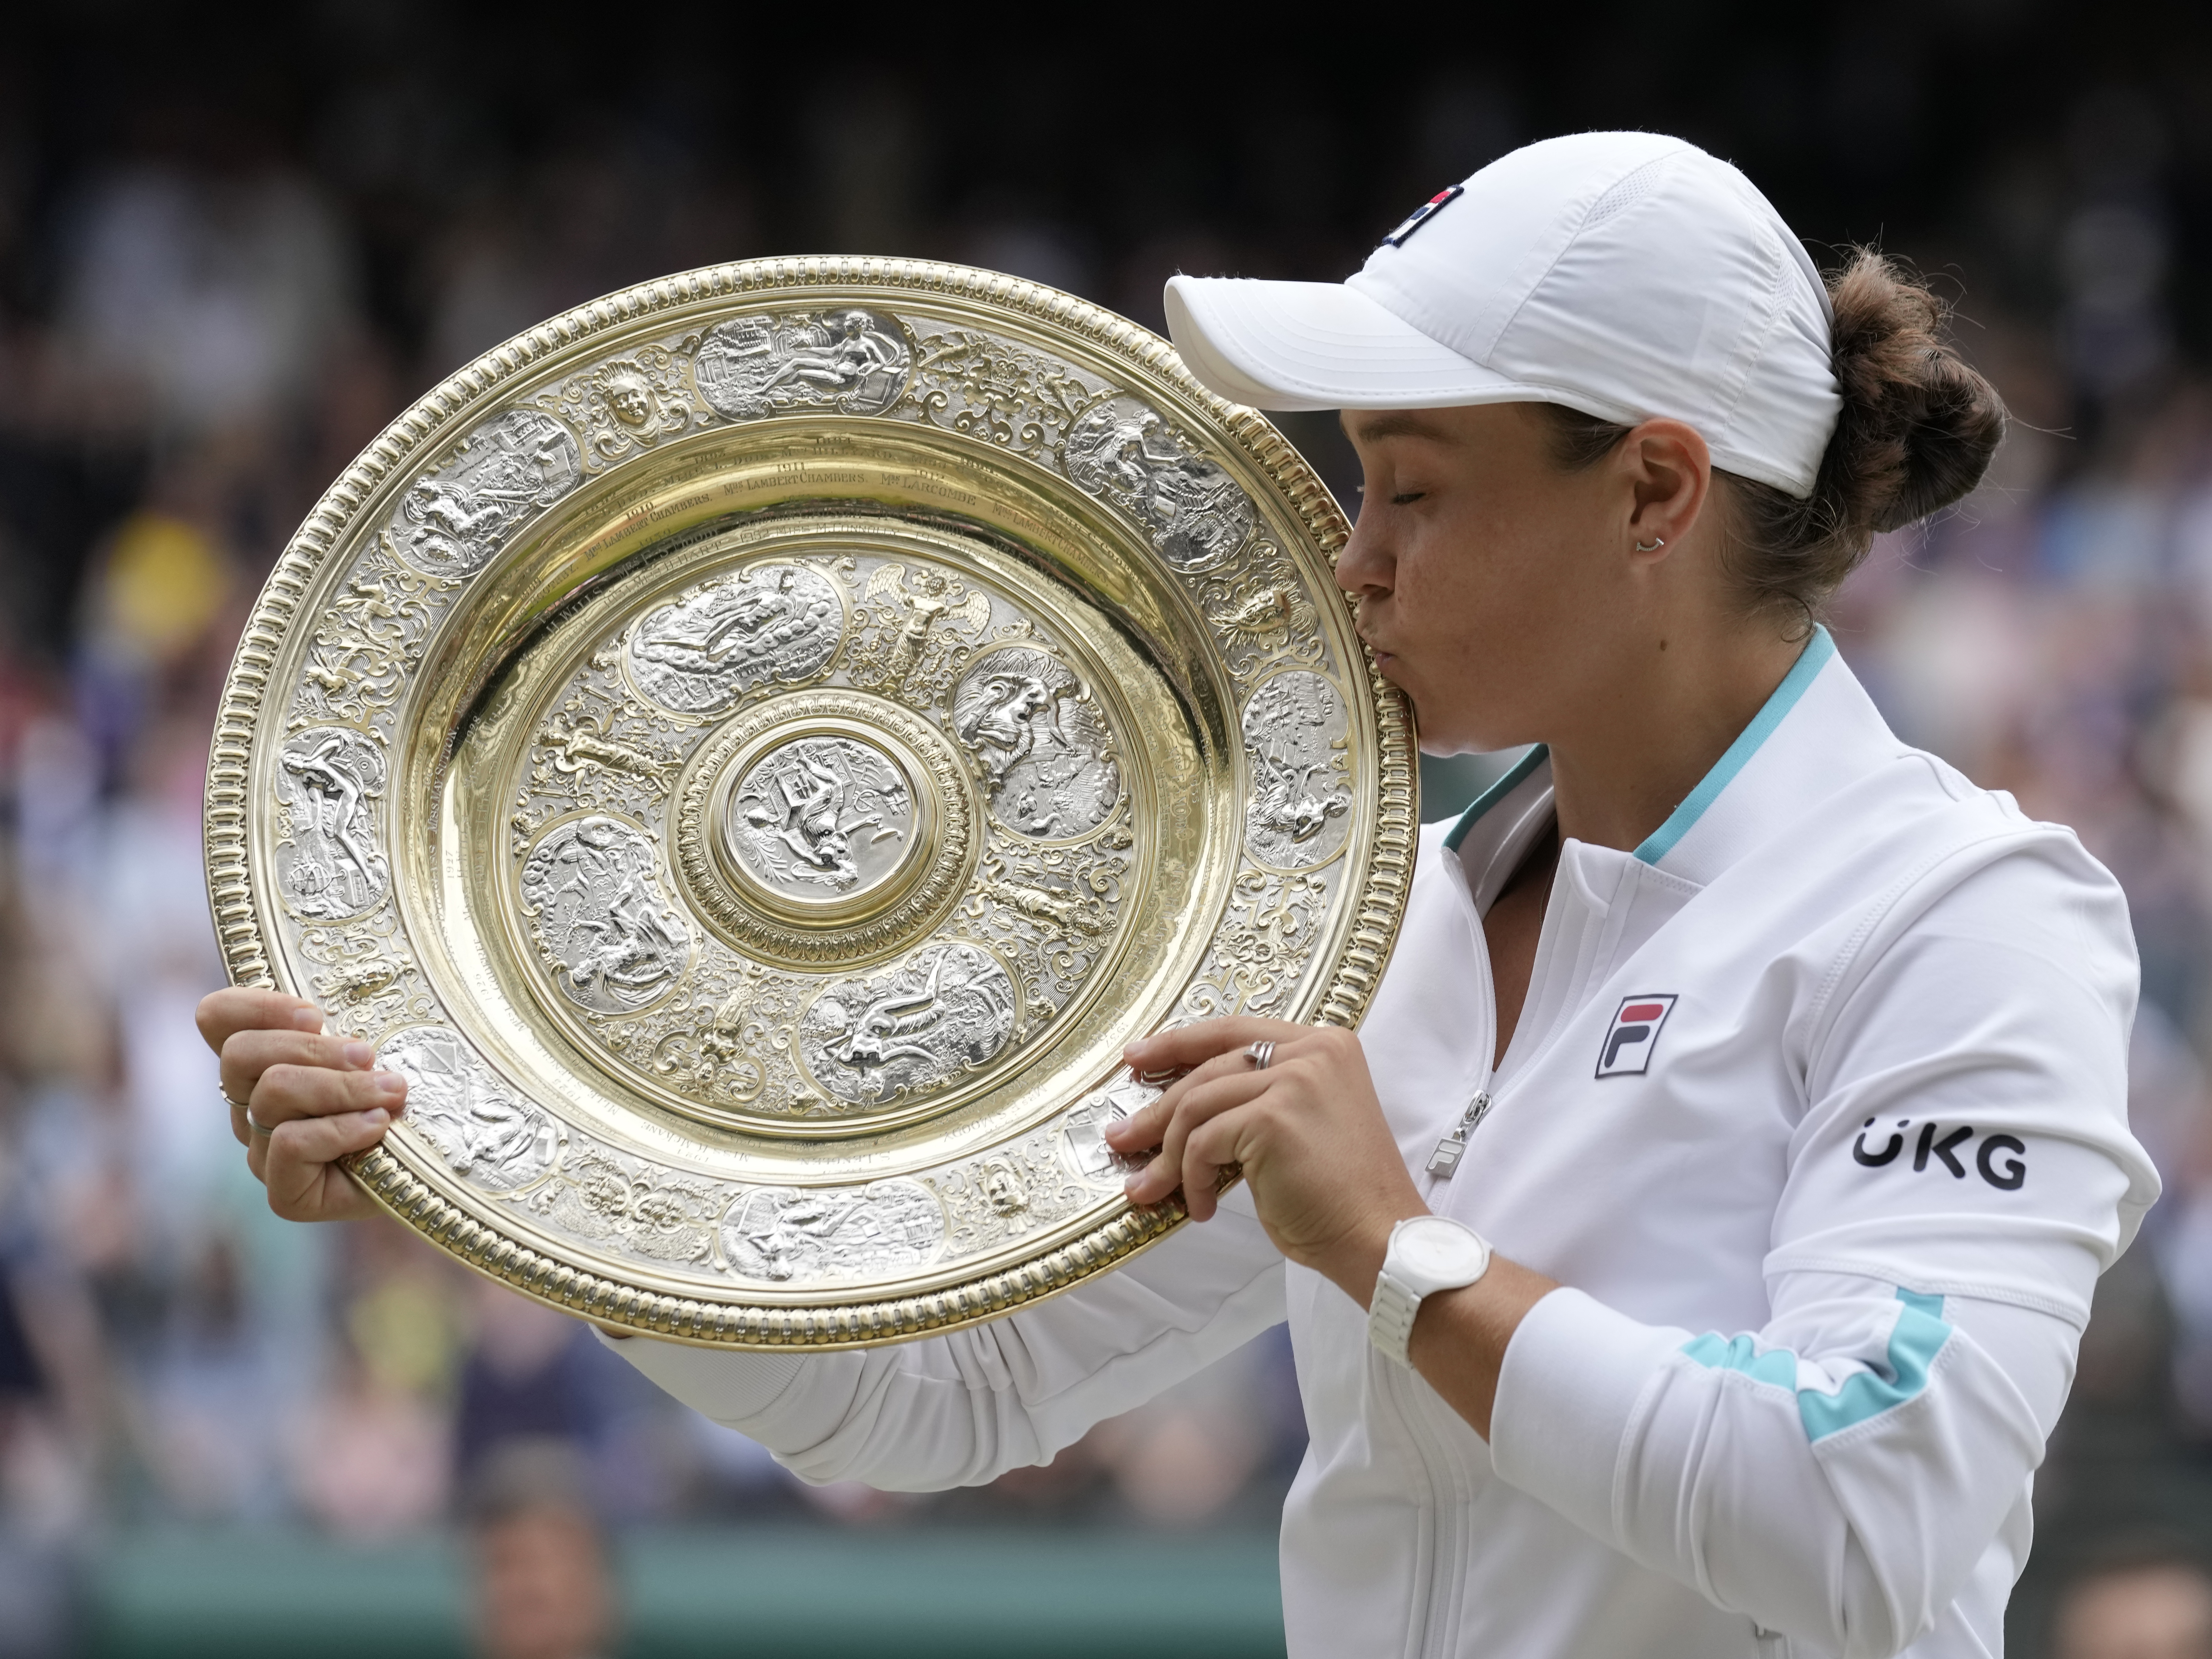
column 235, row 1105
column 1261, row 1053
column 265, row 1130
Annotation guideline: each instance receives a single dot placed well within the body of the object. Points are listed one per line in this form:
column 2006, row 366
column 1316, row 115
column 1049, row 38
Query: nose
column 1366, row 567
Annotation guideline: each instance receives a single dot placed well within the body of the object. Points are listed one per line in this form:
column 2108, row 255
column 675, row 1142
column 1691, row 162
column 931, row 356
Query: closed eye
column 1407, row 498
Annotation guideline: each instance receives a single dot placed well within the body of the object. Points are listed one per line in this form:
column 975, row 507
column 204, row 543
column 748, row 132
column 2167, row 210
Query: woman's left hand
column 1308, row 1133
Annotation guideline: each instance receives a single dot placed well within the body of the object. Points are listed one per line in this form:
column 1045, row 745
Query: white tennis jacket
column 1817, row 1106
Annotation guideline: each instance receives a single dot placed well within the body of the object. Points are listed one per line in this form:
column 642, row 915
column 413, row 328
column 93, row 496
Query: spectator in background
column 543, row 1588
column 2153, row 1604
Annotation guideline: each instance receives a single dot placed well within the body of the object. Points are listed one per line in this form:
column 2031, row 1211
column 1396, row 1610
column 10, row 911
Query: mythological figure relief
column 946, row 1009
column 851, row 361
column 328, row 779
column 367, row 640
column 1296, row 740
column 827, row 813
column 912, row 630
column 1124, row 452
column 1044, row 752
column 630, row 403
column 451, row 521
column 779, row 623
column 592, row 888
column 481, row 1129
column 783, row 1234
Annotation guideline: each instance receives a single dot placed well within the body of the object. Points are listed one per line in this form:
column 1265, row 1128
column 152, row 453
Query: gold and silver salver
column 751, row 751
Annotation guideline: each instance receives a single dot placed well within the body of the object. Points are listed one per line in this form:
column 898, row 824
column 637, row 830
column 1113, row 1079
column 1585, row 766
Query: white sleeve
column 1961, row 1177
column 962, row 1408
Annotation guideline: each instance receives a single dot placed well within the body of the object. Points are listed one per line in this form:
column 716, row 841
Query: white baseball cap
column 1627, row 274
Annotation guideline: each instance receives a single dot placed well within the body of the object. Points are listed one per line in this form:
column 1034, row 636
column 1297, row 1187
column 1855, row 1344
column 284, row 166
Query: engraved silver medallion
column 821, row 817
column 724, row 638
column 452, row 520
column 944, row 1010
column 1032, row 730
column 850, row 360
column 1296, row 742
column 1124, row 451
column 592, row 889
column 327, row 862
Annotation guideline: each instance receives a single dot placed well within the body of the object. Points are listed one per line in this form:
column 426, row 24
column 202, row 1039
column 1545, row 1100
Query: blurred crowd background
column 228, row 256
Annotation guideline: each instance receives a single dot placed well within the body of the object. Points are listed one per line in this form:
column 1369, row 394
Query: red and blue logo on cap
column 1421, row 214
column 1633, row 1035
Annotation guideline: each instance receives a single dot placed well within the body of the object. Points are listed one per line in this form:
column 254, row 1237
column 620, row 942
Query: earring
column 1653, row 546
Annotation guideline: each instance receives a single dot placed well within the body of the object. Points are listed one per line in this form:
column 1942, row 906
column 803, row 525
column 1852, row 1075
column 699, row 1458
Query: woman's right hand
column 312, row 1099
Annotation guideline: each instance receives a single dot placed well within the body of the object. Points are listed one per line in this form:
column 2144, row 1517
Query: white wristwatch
column 1427, row 1253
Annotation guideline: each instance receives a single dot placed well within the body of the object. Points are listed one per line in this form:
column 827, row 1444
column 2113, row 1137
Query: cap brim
column 1319, row 345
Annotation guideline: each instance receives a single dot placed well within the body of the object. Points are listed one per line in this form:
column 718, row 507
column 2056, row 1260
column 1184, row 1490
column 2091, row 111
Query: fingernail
column 306, row 1019
column 390, row 1083
column 377, row 1117
column 358, row 1055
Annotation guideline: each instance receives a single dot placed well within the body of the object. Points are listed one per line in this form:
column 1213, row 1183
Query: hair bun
column 1918, row 426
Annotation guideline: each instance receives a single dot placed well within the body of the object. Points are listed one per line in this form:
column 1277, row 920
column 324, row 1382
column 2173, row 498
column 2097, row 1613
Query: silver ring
column 255, row 1123
column 235, row 1105
column 1261, row 1053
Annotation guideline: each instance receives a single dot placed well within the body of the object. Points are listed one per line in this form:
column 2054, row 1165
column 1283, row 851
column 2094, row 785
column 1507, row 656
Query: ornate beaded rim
column 239, row 924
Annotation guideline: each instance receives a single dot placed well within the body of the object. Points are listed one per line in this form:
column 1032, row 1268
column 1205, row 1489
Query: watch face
column 1441, row 1250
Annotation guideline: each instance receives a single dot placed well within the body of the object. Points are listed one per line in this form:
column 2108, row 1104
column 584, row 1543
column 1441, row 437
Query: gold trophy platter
column 752, row 749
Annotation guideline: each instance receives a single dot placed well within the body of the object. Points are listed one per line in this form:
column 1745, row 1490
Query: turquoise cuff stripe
column 1497, row 792
column 1810, row 662
column 1918, row 1337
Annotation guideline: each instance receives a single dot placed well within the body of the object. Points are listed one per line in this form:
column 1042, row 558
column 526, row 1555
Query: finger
column 223, row 1014
column 1193, row 1045
column 1164, row 1173
column 1143, row 1127
column 287, row 1092
column 1213, row 1157
column 301, row 1172
column 248, row 1054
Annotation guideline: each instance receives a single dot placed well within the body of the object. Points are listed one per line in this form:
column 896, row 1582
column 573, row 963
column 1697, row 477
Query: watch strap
column 1390, row 1317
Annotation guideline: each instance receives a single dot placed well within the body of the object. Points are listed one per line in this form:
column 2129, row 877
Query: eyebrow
column 1376, row 425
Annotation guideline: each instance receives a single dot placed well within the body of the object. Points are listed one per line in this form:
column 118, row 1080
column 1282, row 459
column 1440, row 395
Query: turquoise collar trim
column 1497, row 792
column 1810, row 662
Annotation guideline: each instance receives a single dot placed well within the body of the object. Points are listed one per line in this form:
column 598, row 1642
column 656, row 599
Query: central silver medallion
column 821, row 819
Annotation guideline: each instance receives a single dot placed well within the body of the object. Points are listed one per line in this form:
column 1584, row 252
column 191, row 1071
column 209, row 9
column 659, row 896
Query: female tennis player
column 1687, row 1257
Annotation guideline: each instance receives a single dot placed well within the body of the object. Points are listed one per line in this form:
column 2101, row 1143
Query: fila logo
column 1633, row 1035
column 1427, row 211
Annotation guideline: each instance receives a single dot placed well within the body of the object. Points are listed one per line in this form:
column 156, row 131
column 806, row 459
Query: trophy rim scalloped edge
column 1347, row 980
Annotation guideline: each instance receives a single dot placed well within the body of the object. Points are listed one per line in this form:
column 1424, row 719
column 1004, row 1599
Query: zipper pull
column 1444, row 1161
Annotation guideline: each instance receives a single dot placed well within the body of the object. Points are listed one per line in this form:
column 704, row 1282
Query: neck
column 1652, row 734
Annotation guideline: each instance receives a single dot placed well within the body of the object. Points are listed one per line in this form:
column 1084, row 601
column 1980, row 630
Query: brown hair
column 1916, row 433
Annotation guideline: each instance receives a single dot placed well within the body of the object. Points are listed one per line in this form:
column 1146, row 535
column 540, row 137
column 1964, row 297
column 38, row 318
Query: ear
column 1670, row 477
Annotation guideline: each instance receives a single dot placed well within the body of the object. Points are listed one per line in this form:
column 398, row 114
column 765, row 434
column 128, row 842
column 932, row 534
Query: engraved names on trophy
column 483, row 1130
column 450, row 521
column 591, row 888
column 328, row 863
column 724, row 637
column 1123, row 451
column 849, row 360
